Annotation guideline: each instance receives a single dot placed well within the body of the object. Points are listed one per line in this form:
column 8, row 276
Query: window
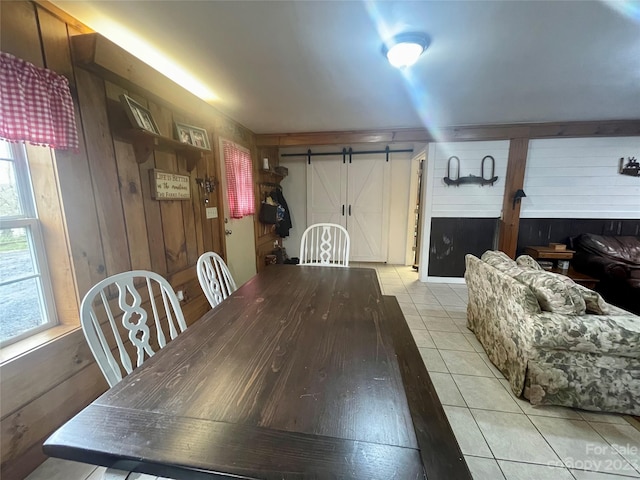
column 26, row 300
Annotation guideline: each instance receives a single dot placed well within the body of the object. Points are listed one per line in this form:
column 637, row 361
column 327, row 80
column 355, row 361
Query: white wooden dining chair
column 215, row 278
column 325, row 244
column 115, row 318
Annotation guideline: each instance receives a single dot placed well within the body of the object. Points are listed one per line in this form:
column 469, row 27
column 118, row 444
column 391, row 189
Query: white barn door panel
column 326, row 191
column 368, row 208
column 355, row 195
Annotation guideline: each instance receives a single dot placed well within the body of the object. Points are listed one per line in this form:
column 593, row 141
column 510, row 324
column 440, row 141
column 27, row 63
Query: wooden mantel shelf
column 99, row 55
column 144, row 143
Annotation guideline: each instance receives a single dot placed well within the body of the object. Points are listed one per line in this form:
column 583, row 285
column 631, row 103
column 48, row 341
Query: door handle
column 343, row 209
column 349, row 210
column 228, row 232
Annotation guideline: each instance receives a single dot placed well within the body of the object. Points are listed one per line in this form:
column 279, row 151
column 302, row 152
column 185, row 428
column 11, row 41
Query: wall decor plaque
column 169, row 186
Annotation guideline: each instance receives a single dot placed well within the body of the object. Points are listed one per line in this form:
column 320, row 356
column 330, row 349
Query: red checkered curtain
column 239, row 171
column 36, row 105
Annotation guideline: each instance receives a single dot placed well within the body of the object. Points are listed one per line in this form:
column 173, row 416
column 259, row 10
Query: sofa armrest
column 600, row 267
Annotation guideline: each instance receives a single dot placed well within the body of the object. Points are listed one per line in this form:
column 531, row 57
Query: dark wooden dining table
column 304, row 372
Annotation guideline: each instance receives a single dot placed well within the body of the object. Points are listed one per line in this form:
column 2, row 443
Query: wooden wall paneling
column 80, row 211
column 75, row 184
column 199, row 212
column 161, row 114
column 130, row 191
column 195, row 308
column 193, row 211
column 35, row 421
column 542, row 231
column 19, row 34
column 195, row 304
column 153, row 218
column 210, row 228
column 46, row 367
column 118, row 119
column 188, row 213
column 133, row 206
column 63, row 16
column 170, row 210
column 55, row 43
column 510, row 221
column 172, row 220
column 20, row 468
column 48, row 202
column 102, row 164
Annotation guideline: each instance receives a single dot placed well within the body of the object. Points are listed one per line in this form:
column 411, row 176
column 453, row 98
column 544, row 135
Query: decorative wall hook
column 208, row 185
column 632, row 168
column 518, row 196
column 471, row 179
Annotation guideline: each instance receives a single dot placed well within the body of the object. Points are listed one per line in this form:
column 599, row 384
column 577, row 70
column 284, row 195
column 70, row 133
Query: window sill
column 31, row 343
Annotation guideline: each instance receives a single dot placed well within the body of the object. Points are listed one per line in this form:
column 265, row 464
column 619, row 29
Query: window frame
column 30, row 221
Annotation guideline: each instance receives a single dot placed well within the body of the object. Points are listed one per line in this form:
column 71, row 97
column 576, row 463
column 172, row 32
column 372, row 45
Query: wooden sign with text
column 169, row 186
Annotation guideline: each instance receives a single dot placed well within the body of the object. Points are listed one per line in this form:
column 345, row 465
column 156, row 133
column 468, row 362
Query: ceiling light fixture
column 404, row 49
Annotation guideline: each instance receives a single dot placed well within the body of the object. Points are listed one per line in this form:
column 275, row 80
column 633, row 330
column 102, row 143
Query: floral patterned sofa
column 556, row 342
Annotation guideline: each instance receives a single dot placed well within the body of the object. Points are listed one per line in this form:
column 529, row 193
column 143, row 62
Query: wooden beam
column 99, row 55
column 608, row 128
column 510, row 221
column 64, row 16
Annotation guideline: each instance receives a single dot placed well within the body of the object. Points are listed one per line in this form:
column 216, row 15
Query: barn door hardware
column 470, row 179
column 632, row 168
column 350, row 152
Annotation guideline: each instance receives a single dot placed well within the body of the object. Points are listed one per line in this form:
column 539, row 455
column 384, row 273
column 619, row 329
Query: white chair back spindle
column 325, row 244
column 128, row 315
column 215, row 279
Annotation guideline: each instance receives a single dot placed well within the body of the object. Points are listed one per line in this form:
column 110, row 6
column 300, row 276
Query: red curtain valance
column 35, row 105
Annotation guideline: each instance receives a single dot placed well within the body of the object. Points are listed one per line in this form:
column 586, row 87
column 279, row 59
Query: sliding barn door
column 356, row 196
column 368, row 189
column 326, row 191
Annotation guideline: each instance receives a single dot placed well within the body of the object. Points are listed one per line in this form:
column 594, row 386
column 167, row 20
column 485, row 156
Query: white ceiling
column 283, row 66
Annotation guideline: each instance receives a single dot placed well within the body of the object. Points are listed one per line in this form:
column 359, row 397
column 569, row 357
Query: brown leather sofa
column 615, row 261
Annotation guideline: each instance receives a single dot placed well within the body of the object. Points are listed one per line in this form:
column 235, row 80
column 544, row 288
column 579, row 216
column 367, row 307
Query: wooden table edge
column 441, row 455
column 310, row 452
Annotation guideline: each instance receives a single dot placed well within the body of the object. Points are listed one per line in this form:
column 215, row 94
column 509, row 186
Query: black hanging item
column 285, row 224
column 471, row 179
column 632, row 168
column 268, row 213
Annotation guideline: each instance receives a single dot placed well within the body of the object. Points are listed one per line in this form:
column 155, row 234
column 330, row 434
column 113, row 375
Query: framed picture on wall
column 139, row 116
column 195, row 136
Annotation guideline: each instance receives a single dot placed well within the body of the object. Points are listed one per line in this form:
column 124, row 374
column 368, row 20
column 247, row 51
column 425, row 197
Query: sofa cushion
column 501, row 261
column 598, row 334
column 555, row 293
column 526, row 261
column 594, row 302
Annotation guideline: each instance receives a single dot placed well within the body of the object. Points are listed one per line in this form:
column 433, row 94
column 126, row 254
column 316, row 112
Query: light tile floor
column 502, row 437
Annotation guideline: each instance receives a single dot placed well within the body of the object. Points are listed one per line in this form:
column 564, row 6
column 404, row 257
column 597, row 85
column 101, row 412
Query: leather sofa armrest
column 600, row 267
